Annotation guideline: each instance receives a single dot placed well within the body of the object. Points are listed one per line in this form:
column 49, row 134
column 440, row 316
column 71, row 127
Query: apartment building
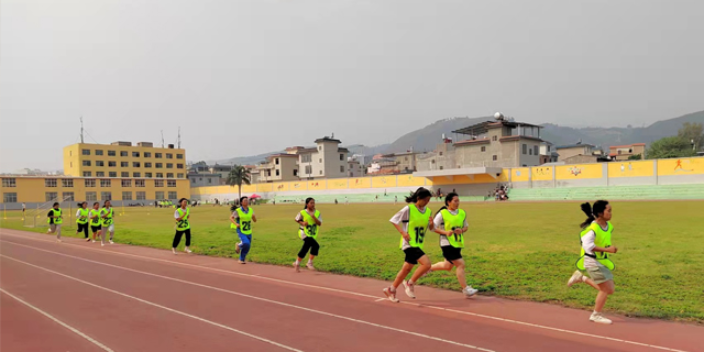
column 326, row 160
column 278, row 167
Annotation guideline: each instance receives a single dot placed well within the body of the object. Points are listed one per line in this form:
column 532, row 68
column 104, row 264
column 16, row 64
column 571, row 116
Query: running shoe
column 391, row 295
column 297, row 267
column 310, row 266
column 469, row 291
column 598, row 318
column 410, row 289
column 237, row 248
column 576, row 277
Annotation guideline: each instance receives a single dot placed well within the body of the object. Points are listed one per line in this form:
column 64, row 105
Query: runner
column 596, row 243
column 183, row 226
column 82, row 219
column 95, row 220
column 451, row 224
column 416, row 219
column 241, row 220
column 309, row 220
column 54, row 219
column 106, row 222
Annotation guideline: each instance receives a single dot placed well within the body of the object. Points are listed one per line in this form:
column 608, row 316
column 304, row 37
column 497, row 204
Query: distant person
column 412, row 222
column 106, row 223
column 54, row 219
column 395, row 200
column 24, row 209
column 335, row 201
column 183, row 225
column 82, row 219
column 596, row 244
column 309, row 220
column 451, row 224
column 94, row 216
column 241, row 220
column 347, row 201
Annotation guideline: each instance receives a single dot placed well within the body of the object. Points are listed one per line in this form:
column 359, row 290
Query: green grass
column 516, row 250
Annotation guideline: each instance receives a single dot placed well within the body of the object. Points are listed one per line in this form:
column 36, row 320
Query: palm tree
column 239, row 175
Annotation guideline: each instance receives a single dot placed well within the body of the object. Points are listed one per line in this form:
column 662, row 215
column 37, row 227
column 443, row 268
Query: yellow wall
column 73, row 160
column 383, row 181
column 520, row 174
column 682, row 166
column 573, row 172
column 541, row 173
column 317, row 185
column 631, row 169
column 361, row 182
column 338, row 183
column 410, row 181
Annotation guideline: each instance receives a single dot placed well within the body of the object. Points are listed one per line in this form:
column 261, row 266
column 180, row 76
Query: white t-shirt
column 177, row 215
column 401, row 218
column 440, row 224
column 588, row 245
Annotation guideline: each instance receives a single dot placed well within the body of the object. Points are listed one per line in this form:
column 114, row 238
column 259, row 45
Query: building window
column 91, row 196
column 169, row 166
column 171, row 183
column 67, row 183
column 9, row 197
column 210, row 180
column 306, row 158
column 50, row 182
column 89, row 183
column 320, row 172
column 309, row 170
column 126, row 183
column 342, row 169
column 139, row 183
column 157, row 155
column 51, row 196
column 179, row 156
column 530, row 151
column 148, row 174
column 105, row 183
column 111, row 153
column 136, row 164
column 127, row 195
column 342, row 157
column 86, row 162
column 193, row 181
column 179, row 166
column 98, row 152
column 87, row 174
column 135, row 154
column 320, row 148
column 276, row 161
column 268, row 172
column 67, row 197
column 173, row 195
column 105, row 196
column 112, row 174
column 494, row 158
column 100, row 174
column 85, row 152
column 112, row 164
column 136, row 174
column 277, row 172
column 159, row 165
column 179, row 176
column 158, row 183
column 483, row 149
column 142, row 195
column 147, row 154
column 169, row 156
column 147, row 164
column 320, row 160
column 123, row 153
column 159, row 175
column 124, row 164
column 494, row 138
column 295, row 172
column 9, row 182
column 159, row 195
column 525, row 149
column 124, row 174
column 535, row 150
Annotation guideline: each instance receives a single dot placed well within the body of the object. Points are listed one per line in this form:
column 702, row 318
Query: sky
column 249, row 77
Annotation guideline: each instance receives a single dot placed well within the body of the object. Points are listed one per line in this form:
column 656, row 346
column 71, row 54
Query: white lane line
column 155, row 305
column 478, row 315
column 69, row 327
column 269, row 301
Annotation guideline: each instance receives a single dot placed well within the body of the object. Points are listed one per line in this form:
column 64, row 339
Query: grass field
column 516, row 250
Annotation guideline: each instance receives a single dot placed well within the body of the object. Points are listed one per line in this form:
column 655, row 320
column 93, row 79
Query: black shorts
column 451, row 253
column 81, row 227
column 413, row 254
column 95, row 228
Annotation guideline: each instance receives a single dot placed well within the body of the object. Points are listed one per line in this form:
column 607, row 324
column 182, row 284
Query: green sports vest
column 107, row 220
column 57, row 214
column 453, row 222
column 312, row 229
column 83, row 218
column 94, row 218
column 603, row 240
column 417, row 226
column 183, row 224
column 245, row 221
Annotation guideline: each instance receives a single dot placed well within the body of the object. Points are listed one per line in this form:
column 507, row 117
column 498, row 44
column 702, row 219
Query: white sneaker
column 111, row 242
column 237, row 248
column 187, row 250
column 391, row 295
column 173, row 250
column 469, row 291
column 410, row 289
column 310, row 266
column 576, row 277
column 102, row 244
column 598, row 318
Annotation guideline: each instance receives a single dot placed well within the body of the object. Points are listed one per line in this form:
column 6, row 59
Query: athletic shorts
column 599, row 274
column 110, row 228
column 451, row 253
column 413, row 254
column 95, row 228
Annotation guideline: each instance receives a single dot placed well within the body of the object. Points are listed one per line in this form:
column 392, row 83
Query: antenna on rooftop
column 179, row 137
column 162, row 138
column 81, row 129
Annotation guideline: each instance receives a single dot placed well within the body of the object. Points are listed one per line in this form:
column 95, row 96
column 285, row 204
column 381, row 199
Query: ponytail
column 587, row 210
column 450, row 196
column 593, row 212
column 233, row 207
column 420, row 193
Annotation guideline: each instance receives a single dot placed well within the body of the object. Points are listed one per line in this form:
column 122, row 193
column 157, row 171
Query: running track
column 76, row 296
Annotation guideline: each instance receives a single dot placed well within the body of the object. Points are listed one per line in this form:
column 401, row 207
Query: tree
column 239, row 175
column 635, row 157
column 692, row 131
column 670, row 147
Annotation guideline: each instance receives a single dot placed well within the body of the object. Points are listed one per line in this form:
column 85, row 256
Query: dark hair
column 420, row 193
column 55, row 204
column 96, row 203
column 241, row 199
column 308, row 201
column 233, row 207
column 181, row 200
column 593, row 212
column 105, row 204
column 81, row 204
column 448, row 199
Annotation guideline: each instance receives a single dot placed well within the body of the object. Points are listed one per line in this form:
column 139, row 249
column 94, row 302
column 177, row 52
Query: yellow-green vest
column 107, row 220
column 245, row 220
column 417, row 226
column 57, row 214
column 83, row 218
column 183, row 224
column 601, row 239
column 312, row 229
column 453, row 222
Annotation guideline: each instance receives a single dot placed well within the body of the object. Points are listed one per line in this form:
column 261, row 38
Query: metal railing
column 37, row 217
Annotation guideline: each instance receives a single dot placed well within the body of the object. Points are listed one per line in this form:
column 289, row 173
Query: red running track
column 76, row 296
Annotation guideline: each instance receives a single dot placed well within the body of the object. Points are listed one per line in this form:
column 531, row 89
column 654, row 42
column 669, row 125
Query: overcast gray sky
column 247, row 77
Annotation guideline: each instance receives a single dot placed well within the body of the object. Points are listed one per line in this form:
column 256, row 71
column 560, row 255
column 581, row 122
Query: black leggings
column 311, row 244
column 177, row 238
column 84, row 228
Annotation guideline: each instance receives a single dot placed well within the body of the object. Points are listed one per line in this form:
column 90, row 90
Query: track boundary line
column 478, row 315
column 284, row 304
column 56, row 320
column 156, row 305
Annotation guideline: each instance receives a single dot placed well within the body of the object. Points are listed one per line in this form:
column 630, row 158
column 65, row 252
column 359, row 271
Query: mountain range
column 426, row 138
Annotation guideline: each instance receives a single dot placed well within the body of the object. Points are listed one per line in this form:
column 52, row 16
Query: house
column 278, row 167
column 568, row 151
column 624, row 152
column 548, row 153
column 326, row 160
